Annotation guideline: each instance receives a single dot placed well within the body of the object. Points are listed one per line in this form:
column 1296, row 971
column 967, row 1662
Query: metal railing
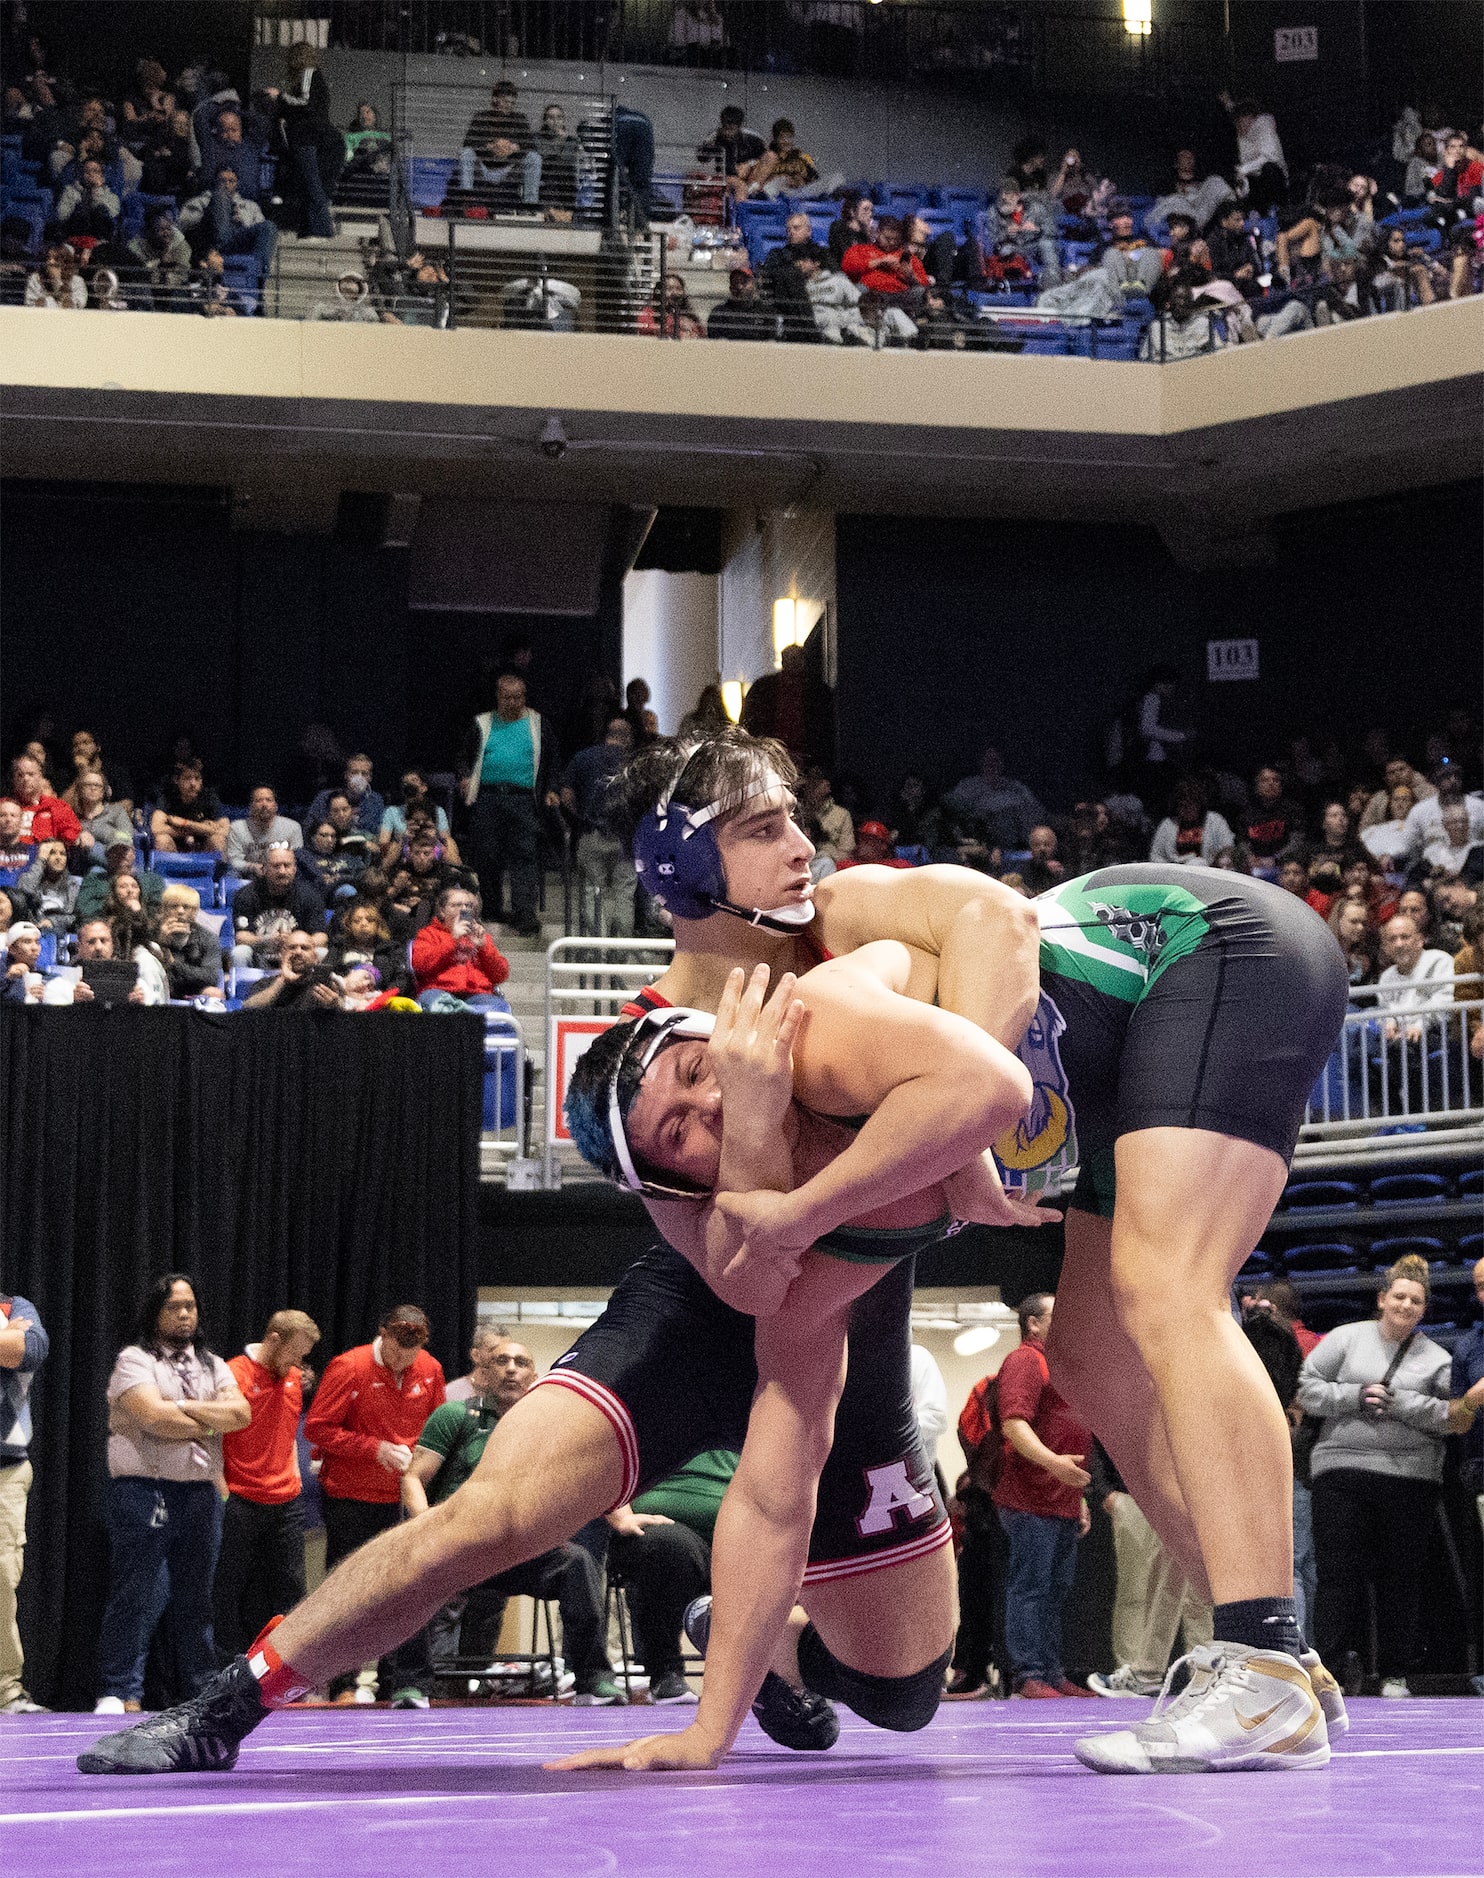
column 1397, row 1067
column 506, row 1118
column 588, row 981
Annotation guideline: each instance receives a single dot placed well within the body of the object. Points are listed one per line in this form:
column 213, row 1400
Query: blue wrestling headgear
column 604, row 1084
column 678, row 860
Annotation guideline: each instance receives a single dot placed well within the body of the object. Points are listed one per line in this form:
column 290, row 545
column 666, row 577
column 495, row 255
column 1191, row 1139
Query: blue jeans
column 162, row 1539
column 1043, row 1562
column 473, row 169
column 1305, row 1566
column 259, row 241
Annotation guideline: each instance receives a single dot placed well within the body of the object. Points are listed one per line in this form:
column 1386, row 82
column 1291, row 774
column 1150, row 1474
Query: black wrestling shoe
column 201, row 1736
column 794, row 1718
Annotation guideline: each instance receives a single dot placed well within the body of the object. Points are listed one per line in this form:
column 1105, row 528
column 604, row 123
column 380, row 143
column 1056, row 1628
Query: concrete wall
column 670, row 638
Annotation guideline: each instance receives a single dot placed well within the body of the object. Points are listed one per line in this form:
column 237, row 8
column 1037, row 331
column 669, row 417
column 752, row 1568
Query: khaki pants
column 15, row 1484
column 1154, row 1596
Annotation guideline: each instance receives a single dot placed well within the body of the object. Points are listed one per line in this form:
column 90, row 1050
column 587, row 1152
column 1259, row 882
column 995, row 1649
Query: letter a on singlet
column 891, row 1493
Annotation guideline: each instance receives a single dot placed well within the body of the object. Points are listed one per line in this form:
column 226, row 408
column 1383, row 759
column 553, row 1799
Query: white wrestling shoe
column 1241, row 1709
column 1331, row 1695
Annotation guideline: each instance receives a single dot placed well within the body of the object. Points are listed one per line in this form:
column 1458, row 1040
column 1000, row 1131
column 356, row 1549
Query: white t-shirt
column 1427, row 987
column 1424, row 822
column 1386, row 839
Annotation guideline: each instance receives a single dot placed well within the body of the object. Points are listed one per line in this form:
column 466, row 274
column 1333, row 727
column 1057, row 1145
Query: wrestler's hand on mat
column 751, row 1049
column 977, row 1194
column 687, row 1749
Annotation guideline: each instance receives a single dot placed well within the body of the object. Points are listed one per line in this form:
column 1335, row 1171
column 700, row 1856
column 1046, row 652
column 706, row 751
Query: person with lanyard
column 509, row 784
column 669, row 1371
column 448, row 1451
column 23, row 1349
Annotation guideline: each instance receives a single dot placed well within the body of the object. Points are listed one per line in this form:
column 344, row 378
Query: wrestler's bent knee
column 901, row 1703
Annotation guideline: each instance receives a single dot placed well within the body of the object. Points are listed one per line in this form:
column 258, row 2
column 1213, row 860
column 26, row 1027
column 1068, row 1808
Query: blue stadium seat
column 1331, row 1255
column 953, row 200
column 1332, row 1193
column 227, row 889
column 33, row 214
column 428, row 179
column 240, row 271
column 900, row 198
column 1386, row 1252
column 194, row 870
column 46, row 953
column 499, row 1071
column 1405, row 218
column 1430, row 240
column 1322, row 1314
column 10, row 143
column 667, row 193
column 1471, row 1183
column 1400, row 1189
column 137, row 209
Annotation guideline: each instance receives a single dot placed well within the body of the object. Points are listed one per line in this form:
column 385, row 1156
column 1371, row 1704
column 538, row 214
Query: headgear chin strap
column 653, row 1031
column 678, row 860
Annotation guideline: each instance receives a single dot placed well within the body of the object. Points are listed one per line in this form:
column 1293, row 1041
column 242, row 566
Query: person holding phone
column 454, row 954
column 301, row 983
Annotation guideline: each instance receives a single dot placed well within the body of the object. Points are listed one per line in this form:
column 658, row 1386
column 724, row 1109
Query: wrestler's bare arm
column 974, row 943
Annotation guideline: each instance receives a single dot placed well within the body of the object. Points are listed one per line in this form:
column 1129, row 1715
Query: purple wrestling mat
column 989, row 1787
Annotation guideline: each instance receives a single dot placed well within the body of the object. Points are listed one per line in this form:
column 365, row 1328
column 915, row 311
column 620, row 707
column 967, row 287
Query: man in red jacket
column 454, row 953
column 368, row 1413
column 43, row 817
column 1039, row 1497
column 885, row 265
column 260, row 1567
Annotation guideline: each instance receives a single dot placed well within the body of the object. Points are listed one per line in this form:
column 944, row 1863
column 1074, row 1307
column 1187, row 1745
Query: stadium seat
column 500, row 1046
column 1330, row 1255
column 137, row 209
column 46, row 955
column 1386, row 1252
column 1471, row 1184
column 195, row 870
column 1323, row 1314
column 1402, row 1189
column 900, row 198
column 428, row 179
column 1331, row 1193
column 34, row 215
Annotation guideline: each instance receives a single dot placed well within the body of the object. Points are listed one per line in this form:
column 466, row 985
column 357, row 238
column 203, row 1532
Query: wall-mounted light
column 1138, row 17
column 977, row 1338
column 731, row 697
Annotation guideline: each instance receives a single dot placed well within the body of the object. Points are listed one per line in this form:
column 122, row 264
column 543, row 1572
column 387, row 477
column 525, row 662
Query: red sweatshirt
column 47, row 819
column 261, row 1461
column 862, row 264
column 442, row 963
column 360, row 1404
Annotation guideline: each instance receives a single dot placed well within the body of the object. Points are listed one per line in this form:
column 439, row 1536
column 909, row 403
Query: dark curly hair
column 723, row 767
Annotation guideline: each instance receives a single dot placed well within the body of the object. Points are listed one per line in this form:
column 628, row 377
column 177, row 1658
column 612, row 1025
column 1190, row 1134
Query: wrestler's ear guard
column 601, row 1093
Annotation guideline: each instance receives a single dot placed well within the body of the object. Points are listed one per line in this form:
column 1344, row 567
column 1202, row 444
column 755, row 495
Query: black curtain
column 326, row 1163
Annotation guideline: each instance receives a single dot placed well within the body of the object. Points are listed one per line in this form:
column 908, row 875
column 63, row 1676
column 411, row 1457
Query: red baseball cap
column 878, row 831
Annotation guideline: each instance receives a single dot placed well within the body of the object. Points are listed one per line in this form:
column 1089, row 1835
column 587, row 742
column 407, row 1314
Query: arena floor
column 987, row 1788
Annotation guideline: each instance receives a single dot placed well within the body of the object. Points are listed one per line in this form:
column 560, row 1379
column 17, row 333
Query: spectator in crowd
column 117, row 938
column 830, row 827
column 1183, row 330
column 885, row 265
column 225, row 219
column 304, row 114
column 743, row 314
column 1452, row 187
column 1466, row 1383
column 1202, row 198
column 1453, row 901
column 873, row 848
column 248, row 840
column 1262, row 168
column 798, row 244
column 49, row 889
column 233, row 139
column 189, row 817
column 985, row 1551
column 23, row 1349
column 119, row 861
column 1382, row 1389
column 170, row 1402
column 1337, row 843
column 87, row 206
column 660, row 1548
column 454, row 956
column 447, row 1451
column 163, row 256
column 604, row 866
column 485, row 1367
column 164, row 152
column 1133, row 266
column 56, row 285
column 1390, row 840
column 1397, row 773
column 735, row 147
column 854, row 227
column 1016, row 241
column 332, row 867
column 1455, row 849
column 834, row 304
column 1424, row 821
column 296, row 985
column 191, row 953
column 367, row 1416
column 16, row 853
column 1355, row 933
column 1191, row 831
column 415, row 795
column 278, row 902
column 419, row 876
column 669, row 313
column 350, row 302
column 1039, row 1497
column 1417, row 981
column 499, row 162
column 795, row 707
column 1275, row 821
column 23, row 981
column 1155, row 1601
column 370, row 808
column 642, row 720
column 562, row 160
column 1044, row 869
column 100, row 821
column 993, row 809
column 785, row 170
column 44, row 817
column 368, row 148
column 260, row 1568
column 509, row 783
column 916, row 816
column 360, row 936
